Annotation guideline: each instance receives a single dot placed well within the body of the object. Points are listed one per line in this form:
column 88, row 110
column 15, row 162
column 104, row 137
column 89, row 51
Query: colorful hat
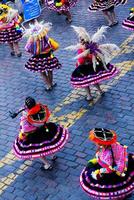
column 132, row 10
column 38, row 40
column 38, row 115
column 102, row 136
column 3, row 10
column 38, row 29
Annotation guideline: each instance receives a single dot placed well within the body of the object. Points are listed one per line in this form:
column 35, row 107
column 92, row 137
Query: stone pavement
column 23, row 180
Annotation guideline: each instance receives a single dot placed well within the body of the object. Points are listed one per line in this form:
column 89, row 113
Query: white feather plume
column 81, row 32
column 12, row 13
column 107, row 50
column 40, row 26
column 103, row 60
column 99, row 35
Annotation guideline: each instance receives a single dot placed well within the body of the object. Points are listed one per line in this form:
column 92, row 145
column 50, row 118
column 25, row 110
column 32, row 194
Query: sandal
column 69, row 20
column 46, row 167
column 48, row 89
column 89, row 98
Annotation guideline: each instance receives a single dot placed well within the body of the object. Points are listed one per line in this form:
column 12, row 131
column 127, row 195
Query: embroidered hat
column 38, row 114
column 102, row 136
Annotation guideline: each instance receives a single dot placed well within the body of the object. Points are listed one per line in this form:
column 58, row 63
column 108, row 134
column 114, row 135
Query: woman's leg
column 12, row 49
column 108, row 17
column 113, row 16
column 50, row 76
column 46, row 80
column 89, row 95
column 47, row 165
column 99, row 88
column 68, row 15
column 53, row 157
column 16, row 49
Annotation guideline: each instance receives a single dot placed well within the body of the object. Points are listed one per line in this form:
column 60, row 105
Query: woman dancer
column 62, row 7
column 92, row 65
column 10, row 31
column 41, row 46
column 110, row 175
column 38, row 138
column 107, row 7
column 129, row 22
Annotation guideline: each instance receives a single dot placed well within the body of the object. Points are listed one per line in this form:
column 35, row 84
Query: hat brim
column 99, row 141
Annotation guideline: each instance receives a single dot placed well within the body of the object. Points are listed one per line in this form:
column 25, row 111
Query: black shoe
column 54, row 84
column 69, row 21
column 19, row 54
column 113, row 24
column 12, row 53
column 102, row 93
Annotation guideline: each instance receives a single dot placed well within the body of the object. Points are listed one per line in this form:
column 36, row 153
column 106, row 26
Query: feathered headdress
column 7, row 12
column 38, row 29
column 92, row 46
column 38, row 39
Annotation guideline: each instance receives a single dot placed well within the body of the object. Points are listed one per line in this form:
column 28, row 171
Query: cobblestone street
column 24, row 180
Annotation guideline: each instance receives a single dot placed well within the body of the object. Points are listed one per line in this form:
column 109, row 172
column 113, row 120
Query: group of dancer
column 110, row 175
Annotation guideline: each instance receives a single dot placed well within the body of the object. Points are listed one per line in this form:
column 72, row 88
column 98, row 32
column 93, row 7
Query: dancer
column 38, row 138
column 107, row 7
column 10, row 31
column 93, row 64
column 62, row 7
column 41, row 47
column 110, row 175
column 129, row 22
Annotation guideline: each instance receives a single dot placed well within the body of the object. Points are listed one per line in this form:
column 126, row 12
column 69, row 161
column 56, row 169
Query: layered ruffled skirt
column 66, row 7
column 84, row 75
column 42, row 63
column 45, row 141
column 128, row 23
column 10, row 35
column 110, row 186
column 98, row 5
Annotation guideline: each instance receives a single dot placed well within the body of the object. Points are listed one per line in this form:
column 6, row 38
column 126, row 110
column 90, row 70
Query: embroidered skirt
column 129, row 23
column 98, row 5
column 84, row 75
column 10, row 35
column 110, row 186
column 42, row 63
column 66, row 7
column 45, row 141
